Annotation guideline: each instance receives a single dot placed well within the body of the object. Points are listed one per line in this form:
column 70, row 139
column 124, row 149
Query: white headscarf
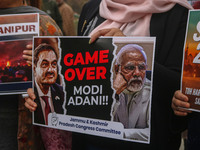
column 133, row 17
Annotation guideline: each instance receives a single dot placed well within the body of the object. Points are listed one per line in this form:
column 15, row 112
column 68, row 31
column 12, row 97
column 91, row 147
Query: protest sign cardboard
column 16, row 31
column 190, row 84
column 87, row 85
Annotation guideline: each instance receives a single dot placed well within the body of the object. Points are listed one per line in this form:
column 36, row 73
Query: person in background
column 51, row 8
column 191, row 138
column 16, row 129
column 165, row 20
column 67, row 14
column 33, row 3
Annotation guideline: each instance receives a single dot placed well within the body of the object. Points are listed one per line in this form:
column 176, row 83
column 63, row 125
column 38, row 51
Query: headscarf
column 133, row 17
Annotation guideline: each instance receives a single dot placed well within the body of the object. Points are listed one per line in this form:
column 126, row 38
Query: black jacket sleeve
column 169, row 29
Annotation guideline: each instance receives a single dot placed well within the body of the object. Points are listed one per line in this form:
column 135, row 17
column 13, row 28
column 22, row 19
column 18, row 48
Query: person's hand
column 27, row 54
column 29, row 101
column 119, row 83
column 106, row 32
column 179, row 102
